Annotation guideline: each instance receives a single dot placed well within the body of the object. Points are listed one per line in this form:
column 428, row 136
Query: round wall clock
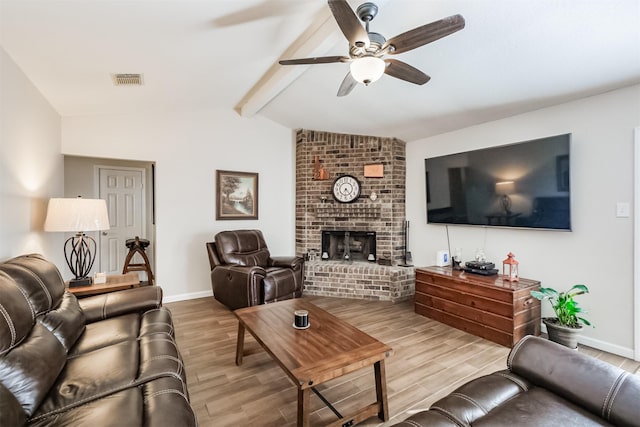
column 346, row 189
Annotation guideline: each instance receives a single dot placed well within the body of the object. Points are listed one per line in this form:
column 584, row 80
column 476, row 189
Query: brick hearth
column 316, row 210
column 359, row 280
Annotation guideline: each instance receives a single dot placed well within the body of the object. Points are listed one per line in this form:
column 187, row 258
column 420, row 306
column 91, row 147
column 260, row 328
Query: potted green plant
column 566, row 326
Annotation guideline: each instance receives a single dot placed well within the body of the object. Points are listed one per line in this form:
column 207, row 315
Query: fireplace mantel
column 352, row 210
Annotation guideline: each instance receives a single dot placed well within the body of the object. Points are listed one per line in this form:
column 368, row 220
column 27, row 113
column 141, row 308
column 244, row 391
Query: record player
column 480, row 267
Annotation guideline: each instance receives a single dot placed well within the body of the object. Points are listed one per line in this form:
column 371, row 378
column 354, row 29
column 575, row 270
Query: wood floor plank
column 429, row 361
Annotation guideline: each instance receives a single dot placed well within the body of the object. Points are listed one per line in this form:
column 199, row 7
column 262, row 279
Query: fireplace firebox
column 348, row 245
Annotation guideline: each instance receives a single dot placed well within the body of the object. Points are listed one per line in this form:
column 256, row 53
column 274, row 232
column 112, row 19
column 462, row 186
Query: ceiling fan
column 367, row 49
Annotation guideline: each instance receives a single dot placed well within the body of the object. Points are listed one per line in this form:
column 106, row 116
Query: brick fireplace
column 356, row 276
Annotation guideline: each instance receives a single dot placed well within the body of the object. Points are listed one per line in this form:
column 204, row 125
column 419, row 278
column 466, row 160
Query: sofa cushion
column 157, row 403
column 128, row 327
column 123, row 408
column 539, row 407
column 92, row 375
column 95, row 374
column 66, row 322
column 30, row 369
column 106, row 333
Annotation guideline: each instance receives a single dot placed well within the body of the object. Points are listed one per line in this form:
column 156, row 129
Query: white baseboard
column 602, row 345
column 184, row 297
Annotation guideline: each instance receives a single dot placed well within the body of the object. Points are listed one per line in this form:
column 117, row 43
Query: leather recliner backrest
column 31, row 358
column 42, row 284
column 604, row 389
column 243, row 247
column 39, row 280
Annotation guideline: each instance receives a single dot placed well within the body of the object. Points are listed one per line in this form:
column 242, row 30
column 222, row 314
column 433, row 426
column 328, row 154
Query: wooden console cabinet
column 486, row 306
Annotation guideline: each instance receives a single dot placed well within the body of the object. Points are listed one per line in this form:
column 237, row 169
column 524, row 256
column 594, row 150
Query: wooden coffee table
column 328, row 349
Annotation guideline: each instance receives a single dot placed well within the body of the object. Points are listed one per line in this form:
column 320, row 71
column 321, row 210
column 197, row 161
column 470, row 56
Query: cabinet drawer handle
column 528, row 301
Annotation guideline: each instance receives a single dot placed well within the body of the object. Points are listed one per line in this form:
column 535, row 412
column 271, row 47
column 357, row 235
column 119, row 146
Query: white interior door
column 123, row 190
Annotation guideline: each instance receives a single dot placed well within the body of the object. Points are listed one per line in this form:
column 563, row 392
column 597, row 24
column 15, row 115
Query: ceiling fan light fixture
column 367, row 69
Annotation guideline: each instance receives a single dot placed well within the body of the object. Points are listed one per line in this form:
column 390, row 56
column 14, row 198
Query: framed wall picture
column 236, row 195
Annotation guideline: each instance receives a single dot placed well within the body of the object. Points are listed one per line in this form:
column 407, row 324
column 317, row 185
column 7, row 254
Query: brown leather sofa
column 109, row 359
column 243, row 272
column 545, row 384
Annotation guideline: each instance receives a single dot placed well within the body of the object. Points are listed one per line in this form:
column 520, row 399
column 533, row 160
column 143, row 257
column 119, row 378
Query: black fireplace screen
column 349, row 245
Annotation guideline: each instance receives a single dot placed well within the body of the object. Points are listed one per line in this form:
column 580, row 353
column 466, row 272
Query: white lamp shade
column 505, row 187
column 76, row 214
column 367, row 69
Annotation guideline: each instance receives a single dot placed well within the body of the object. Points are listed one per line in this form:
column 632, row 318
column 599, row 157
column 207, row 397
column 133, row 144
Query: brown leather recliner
column 545, row 384
column 244, row 274
column 108, row 359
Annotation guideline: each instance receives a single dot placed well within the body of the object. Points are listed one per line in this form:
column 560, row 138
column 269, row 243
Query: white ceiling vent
column 127, row 79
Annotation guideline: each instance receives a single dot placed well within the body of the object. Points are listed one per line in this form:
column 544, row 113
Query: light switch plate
column 623, row 210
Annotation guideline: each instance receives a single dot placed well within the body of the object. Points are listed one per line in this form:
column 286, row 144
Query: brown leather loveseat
column 105, row 360
column 244, row 274
column 546, row 384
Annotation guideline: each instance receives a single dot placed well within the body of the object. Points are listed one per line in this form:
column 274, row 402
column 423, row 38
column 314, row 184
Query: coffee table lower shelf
column 330, row 348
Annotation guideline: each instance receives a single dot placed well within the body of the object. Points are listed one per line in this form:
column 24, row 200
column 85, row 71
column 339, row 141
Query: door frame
column 636, row 245
column 96, row 181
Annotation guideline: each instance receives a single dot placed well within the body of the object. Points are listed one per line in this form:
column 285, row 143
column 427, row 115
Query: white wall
column 31, row 166
column 187, row 149
column 599, row 250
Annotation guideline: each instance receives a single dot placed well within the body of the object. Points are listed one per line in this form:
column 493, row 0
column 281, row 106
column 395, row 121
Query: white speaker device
column 442, row 258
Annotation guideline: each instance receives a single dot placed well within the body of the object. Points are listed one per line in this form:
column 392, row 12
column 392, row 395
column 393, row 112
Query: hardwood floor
column 430, row 360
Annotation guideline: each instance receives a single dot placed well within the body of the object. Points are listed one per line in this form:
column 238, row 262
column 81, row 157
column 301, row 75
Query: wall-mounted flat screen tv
column 524, row 185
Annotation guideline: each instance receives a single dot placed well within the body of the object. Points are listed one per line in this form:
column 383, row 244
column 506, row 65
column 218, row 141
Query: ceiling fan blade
column 316, row 60
column 403, row 71
column 425, row 34
column 347, row 85
column 349, row 23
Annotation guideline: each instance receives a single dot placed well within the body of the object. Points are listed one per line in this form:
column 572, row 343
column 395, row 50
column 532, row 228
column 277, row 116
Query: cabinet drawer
column 476, row 301
column 501, row 323
column 500, row 337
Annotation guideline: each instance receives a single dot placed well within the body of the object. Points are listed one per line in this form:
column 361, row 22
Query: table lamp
column 78, row 215
column 505, row 188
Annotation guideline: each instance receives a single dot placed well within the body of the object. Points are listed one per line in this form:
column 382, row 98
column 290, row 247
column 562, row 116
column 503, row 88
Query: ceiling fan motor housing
column 376, row 41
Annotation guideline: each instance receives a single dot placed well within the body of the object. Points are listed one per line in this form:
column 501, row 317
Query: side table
column 115, row 282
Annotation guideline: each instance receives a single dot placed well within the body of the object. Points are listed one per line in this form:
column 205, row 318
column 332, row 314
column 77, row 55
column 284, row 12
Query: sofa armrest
column 238, row 286
column 104, row 306
column 603, row 389
column 292, row 262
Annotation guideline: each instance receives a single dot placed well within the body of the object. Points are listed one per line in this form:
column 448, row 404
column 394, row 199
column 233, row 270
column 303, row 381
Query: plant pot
column 565, row 335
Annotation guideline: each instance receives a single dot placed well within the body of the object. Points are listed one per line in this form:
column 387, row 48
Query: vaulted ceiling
column 513, row 56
